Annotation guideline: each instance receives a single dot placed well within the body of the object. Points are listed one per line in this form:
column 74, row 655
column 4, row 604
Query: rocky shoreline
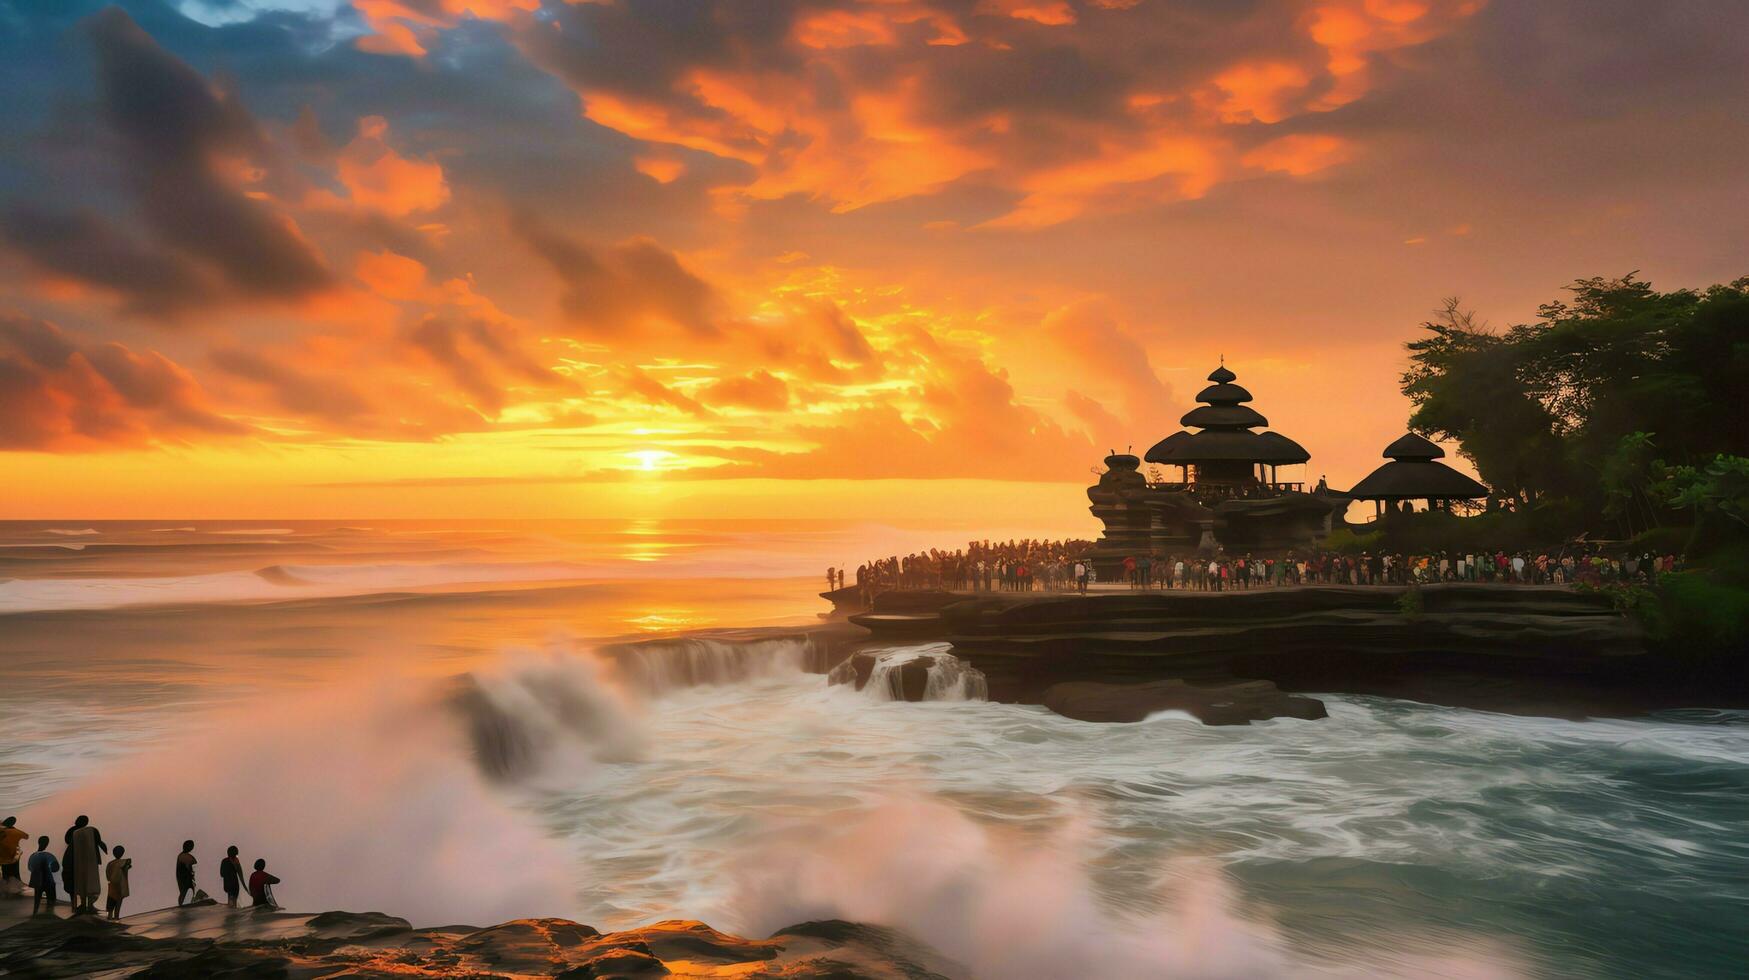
column 1237, row 657
column 251, row 944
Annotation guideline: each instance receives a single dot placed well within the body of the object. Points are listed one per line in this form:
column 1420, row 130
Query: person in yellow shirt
column 11, row 838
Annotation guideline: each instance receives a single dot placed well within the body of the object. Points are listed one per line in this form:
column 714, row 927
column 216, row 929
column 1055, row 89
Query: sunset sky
column 902, row 259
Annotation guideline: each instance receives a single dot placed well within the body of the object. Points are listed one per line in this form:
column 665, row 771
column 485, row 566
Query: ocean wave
column 71, row 532
column 270, row 583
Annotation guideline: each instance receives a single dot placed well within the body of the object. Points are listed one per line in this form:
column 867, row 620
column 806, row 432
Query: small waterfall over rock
column 656, row 666
column 921, row 673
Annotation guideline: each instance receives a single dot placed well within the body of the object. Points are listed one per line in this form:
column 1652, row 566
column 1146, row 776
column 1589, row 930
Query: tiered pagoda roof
column 1415, row 473
column 1225, row 422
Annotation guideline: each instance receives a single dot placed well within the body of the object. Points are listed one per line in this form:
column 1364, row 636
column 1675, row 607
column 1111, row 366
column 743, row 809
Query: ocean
column 293, row 688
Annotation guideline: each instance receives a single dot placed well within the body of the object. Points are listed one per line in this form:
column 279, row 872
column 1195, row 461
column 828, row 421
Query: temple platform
column 1548, row 650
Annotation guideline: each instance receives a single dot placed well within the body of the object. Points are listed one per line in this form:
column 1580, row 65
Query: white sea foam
column 715, row 780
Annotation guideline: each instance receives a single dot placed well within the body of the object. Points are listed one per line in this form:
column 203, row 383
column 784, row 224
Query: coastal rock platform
column 215, row 941
column 1545, row 650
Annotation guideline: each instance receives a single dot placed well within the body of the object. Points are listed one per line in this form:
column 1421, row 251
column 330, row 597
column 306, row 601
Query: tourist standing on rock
column 82, row 866
column 185, row 863
column 117, row 875
column 42, row 876
column 261, row 885
column 231, row 874
column 11, row 841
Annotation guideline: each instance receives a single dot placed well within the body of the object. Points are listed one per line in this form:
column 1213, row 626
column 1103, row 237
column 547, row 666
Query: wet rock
column 526, row 945
column 686, row 939
column 617, row 963
column 356, row 926
column 914, row 678
column 863, row 950
column 158, row 945
column 219, row 963
column 1237, row 703
column 861, row 666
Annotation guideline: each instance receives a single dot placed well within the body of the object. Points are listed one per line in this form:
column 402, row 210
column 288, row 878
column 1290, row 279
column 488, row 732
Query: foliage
column 1346, row 542
column 1628, row 474
column 1547, row 525
column 1627, row 598
column 1587, row 402
column 1411, row 603
column 1717, row 493
column 1698, row 619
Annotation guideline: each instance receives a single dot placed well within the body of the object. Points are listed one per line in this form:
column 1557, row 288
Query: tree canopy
column 1587, row 403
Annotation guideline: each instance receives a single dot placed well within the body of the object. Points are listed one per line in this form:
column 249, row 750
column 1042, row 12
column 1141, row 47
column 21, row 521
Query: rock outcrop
column 913, row 675
column 245, row 944
column 1539, row 650
column 1238, row 703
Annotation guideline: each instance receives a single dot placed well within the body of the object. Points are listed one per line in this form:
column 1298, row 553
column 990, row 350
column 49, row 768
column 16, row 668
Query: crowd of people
column 1026, row 566
column 1563, row 567
column 83, row 871
column 981, row 566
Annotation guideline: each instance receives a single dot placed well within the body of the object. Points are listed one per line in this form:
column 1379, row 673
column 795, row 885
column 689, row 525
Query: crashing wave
column 535, row 706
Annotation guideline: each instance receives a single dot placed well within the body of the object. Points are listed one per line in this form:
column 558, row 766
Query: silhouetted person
column 11, row 839
column 42, row 875
column 261, row 885
column 117, row 873
column 82, row 867
column 185, row 863
column 231, row 873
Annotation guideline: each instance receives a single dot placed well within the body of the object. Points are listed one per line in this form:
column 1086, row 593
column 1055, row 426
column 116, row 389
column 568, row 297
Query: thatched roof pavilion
column 1415, row 473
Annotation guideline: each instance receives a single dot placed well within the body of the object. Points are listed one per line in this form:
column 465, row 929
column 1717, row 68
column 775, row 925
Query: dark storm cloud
column 175, row 134
column 645, row 46
column 175, row 126
column 86, row 247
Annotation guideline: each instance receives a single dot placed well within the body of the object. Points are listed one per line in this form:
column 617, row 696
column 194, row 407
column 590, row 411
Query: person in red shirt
column 260, row 883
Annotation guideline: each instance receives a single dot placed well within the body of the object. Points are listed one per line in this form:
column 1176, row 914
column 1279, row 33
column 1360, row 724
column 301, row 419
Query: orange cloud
column 758, row 390
column 1351, row 31
column 405, row 27
column 661, row 169
column 1166, row 167
column 60, row 394
column 378, row 178
column 1299, row 154
column 856, row 103
column 1258, row 91
column 1051, row 13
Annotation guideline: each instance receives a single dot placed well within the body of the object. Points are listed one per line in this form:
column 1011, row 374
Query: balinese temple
column 1226, row 494
column 1415, row 473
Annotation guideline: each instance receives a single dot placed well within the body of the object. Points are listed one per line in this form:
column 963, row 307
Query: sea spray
column 528, row 707
column 373, row 796
column 1011, row 906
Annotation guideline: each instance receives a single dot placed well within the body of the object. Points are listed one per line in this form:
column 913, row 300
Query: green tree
column 1582, row 403
column 1466, row 385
